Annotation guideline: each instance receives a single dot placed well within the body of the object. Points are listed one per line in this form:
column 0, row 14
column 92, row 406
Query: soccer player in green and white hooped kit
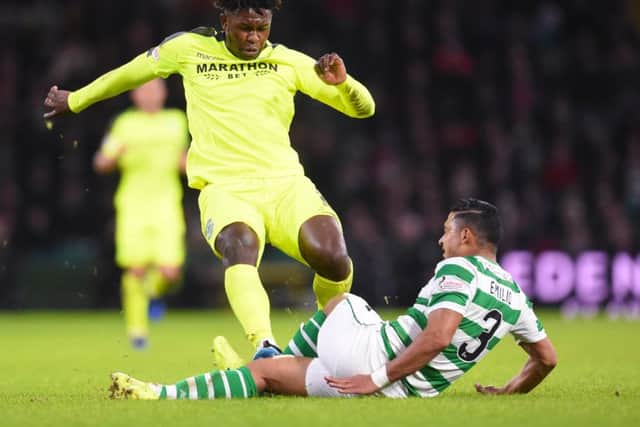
column 346, row 349
column 240, row 89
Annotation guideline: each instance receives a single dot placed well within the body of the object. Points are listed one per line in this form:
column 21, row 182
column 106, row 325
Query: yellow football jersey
column 239, row 110
column 153, row 144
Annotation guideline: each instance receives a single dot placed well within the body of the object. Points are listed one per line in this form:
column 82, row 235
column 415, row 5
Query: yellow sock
column 326, row 289
column 135, row 305
column 249, row 301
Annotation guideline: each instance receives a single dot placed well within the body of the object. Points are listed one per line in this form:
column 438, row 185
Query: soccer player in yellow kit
column 147, row 144
column 240, row 89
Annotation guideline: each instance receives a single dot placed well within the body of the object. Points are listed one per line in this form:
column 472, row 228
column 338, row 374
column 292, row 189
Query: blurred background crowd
column 534, row 105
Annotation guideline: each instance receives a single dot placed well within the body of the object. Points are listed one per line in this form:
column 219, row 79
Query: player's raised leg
column 306, row 228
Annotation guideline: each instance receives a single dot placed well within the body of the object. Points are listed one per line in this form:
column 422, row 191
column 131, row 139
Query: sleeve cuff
column 72, row 103
column 449, row 306
column 533, row 338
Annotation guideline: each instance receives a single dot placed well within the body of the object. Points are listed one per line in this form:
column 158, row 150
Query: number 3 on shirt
column 470, row 356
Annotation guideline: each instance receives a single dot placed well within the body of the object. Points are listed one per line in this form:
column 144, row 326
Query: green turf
column 54, row 371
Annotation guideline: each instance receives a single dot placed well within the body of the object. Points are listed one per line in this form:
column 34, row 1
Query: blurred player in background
column 469, row 305
column 240, row 92
column 148, row 144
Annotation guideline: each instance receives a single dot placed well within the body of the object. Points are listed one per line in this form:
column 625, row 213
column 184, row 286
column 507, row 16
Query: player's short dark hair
column 235, row 5
column 482, row 217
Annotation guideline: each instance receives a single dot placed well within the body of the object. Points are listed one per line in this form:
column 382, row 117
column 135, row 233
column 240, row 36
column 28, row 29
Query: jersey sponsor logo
column 449, row 285
column 217, row 70
column 207, row 57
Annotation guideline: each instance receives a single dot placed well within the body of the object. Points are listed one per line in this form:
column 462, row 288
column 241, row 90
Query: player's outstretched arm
column 542, row 360
column 435, row 338
column 132, row 74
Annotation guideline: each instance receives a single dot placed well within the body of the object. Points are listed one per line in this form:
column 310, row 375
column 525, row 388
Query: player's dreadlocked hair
column 482, row 217
column 234, row 5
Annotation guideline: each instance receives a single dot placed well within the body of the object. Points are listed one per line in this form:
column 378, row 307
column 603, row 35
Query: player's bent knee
column 340, row 266
column 334, row 266
column 238, row 244
column 343, row 264
column 258, row 372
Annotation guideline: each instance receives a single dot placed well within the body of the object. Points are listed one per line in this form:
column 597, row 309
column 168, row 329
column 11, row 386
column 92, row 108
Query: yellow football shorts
column 275, row 208
column 150, row 235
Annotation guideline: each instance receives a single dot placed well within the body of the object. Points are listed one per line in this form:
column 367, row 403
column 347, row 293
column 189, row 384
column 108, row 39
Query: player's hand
column 489, row 389
column 358, row 384
column 331, row 69
column 57, row 100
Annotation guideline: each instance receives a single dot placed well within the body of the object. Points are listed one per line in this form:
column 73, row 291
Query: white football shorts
column 349, row 343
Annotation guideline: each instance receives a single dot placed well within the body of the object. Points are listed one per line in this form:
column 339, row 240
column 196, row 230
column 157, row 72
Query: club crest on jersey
column 208, row 229
column 447, row 284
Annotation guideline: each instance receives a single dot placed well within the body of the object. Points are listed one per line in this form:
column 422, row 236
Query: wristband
column 379, row 377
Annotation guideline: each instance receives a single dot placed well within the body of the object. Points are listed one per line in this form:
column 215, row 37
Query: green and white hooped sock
column 305, row 341
column 212, row 385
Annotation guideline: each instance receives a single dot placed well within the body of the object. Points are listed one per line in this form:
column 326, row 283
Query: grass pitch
column 54, row 371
